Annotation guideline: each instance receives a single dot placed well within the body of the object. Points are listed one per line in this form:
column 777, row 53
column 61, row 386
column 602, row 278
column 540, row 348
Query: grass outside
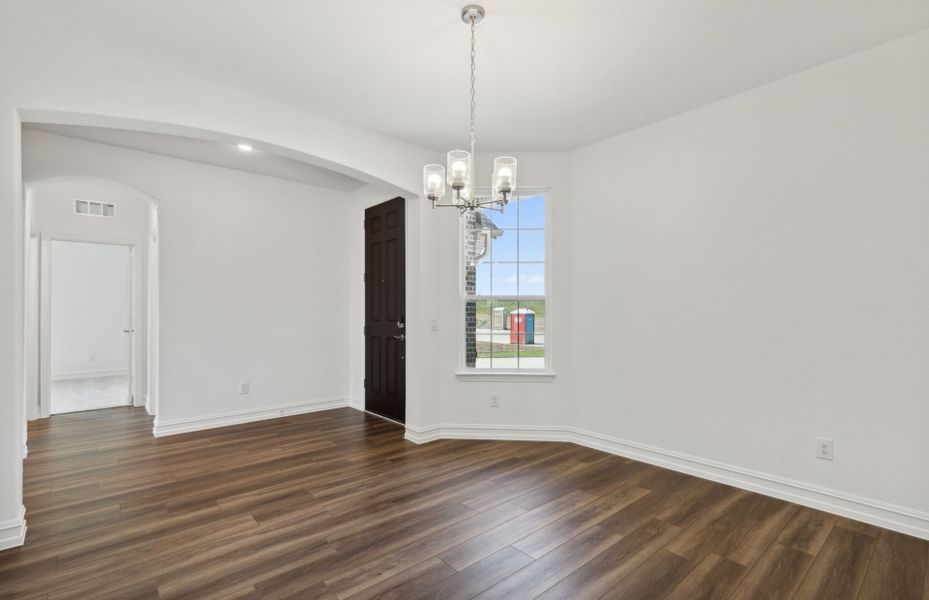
column 486, row 350
column 524, row 353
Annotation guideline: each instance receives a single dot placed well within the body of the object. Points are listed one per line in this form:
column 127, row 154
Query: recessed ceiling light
column 244, row 147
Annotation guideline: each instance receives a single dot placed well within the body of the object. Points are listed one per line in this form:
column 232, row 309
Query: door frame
column 136, row 270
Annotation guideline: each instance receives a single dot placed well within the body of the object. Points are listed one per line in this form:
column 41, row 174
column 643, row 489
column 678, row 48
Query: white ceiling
column 211, row 153
column 552, row 75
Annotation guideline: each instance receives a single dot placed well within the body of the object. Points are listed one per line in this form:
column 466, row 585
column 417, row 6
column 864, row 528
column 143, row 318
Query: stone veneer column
column 472, row 237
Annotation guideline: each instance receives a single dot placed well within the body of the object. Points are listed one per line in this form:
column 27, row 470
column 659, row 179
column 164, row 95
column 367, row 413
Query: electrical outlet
column 824, row 448
column 495, row 400
column 244, row 388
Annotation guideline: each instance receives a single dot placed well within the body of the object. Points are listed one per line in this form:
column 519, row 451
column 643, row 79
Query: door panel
column 385, row 310
column 90, row 324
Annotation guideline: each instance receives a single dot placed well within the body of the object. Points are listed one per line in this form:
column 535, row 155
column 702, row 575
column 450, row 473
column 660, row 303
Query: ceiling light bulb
column 435, row 180
column 244, row 147
column 458, row 168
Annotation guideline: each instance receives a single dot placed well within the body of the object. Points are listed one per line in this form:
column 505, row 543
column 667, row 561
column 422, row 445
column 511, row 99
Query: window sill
column 534, row 375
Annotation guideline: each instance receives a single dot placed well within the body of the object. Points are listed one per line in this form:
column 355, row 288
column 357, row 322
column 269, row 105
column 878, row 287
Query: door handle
column 400, row 337
column 400, row 324
column 128, row 330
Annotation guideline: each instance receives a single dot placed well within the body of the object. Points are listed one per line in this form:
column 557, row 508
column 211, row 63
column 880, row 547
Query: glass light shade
column 504, row 178
column 459, row 167
column 434, row 181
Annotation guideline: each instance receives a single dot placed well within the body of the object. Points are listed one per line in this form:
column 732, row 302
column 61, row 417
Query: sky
column 523, row 239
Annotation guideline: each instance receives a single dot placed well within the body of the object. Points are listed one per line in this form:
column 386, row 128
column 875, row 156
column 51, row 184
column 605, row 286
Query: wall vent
column 90, row 208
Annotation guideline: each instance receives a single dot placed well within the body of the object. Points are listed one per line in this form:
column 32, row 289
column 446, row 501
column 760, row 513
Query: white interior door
column 91, row 326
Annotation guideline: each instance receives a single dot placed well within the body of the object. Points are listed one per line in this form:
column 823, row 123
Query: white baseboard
column 166, row 428
column 527, row 433
column 25, row 451
column 13, row 531
column 876, row 512
column 148, row 406
column 356, row 404
column 67, row 375
column 424, row 435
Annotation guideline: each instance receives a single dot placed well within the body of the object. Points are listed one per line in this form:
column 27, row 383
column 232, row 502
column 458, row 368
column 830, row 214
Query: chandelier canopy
column 459, row 173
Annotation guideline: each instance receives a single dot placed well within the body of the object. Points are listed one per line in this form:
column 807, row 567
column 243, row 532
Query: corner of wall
column 13, row 531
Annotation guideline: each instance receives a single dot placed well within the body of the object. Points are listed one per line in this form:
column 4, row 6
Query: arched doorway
column 53, row 226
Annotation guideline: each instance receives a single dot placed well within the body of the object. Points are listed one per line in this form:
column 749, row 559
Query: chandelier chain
column 473, row 81
column 460, row 173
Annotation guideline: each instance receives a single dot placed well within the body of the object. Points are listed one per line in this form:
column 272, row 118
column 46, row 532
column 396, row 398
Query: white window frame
column 546, row 374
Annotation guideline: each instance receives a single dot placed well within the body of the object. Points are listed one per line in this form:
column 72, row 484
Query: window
column 505, row 286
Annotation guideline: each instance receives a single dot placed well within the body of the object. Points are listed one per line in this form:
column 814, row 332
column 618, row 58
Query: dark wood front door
column 385, row 310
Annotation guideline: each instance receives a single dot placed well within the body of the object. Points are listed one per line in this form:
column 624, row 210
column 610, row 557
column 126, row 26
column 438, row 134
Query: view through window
column 505, row 285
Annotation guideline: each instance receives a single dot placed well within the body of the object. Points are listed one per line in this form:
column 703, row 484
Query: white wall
column 90, row 295
column 733, row 282
column 253, row 278
column 755, row 274
column 53, row 192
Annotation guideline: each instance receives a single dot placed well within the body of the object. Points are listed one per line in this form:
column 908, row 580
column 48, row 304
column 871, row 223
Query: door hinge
column 364, row 277
column 366, row 330
column 366, row 382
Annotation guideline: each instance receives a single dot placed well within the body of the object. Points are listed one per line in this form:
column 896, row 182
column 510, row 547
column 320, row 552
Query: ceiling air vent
column 94, row 209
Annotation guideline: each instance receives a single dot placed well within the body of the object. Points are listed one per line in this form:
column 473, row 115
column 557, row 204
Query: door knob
column 400, row 324
column 128, row 330
column 400, row 337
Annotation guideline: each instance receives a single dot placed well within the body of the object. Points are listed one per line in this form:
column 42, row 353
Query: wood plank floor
column 337, row 505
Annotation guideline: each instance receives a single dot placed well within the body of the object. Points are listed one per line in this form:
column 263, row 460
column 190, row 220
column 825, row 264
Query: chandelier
column 460, row 172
